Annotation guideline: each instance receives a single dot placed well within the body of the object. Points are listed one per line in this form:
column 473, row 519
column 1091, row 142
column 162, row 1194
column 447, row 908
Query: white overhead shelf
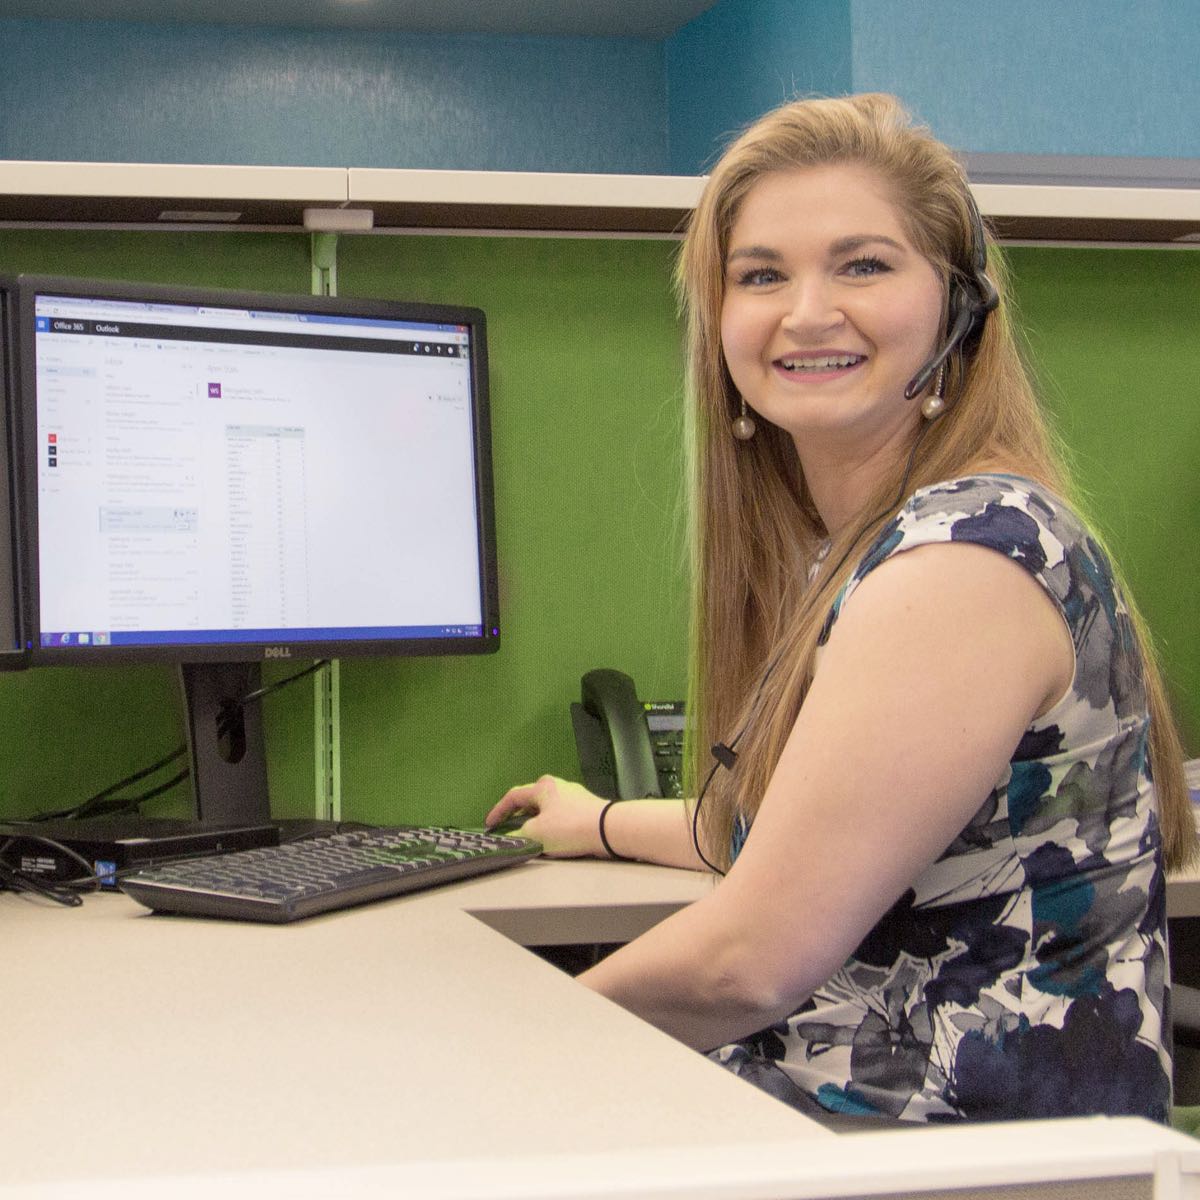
column 525, row 200
column 144, row 194
column 1040, row 212
column 121, row 194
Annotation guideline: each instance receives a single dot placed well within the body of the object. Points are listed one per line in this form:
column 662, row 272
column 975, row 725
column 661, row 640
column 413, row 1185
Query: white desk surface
column 368, row 1051
column 1183, row 893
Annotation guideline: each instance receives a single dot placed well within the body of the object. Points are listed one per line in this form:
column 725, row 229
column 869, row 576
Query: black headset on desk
column 971, row 296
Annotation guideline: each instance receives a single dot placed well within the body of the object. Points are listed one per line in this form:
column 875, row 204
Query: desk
column 1183, row 893
column 363, row 1052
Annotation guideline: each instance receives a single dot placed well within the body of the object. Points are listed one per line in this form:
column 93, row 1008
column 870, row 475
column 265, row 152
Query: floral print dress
column 1024, row 973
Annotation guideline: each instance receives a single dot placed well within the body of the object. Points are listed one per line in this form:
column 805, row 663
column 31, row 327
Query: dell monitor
column 214, row 479
column 12, row 652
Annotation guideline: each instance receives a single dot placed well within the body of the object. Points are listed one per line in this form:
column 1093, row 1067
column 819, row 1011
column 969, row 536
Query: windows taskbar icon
column 83, row 638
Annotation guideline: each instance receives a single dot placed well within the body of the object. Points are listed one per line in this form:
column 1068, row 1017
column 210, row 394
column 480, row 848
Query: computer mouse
column 513, row 821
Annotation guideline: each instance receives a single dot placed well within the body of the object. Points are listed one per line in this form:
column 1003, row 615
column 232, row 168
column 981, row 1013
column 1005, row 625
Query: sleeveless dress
column 1024, row 973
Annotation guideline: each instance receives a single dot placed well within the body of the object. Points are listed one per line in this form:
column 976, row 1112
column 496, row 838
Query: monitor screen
column 214, row 479
column 224, row 476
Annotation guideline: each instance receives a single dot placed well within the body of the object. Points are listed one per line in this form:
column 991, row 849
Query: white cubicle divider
column 165, row 196
column 1093, row 1158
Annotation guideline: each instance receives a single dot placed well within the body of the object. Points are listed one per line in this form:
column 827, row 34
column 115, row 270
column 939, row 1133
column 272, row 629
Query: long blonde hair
column 755, row 531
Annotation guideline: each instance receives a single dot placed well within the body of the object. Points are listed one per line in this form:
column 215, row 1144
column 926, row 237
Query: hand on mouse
column 563, row 816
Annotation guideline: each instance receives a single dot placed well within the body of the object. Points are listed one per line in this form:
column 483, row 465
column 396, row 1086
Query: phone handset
column 614, row 742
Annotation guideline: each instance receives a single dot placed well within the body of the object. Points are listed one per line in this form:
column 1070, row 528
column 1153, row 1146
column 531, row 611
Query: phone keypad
column 665, row 721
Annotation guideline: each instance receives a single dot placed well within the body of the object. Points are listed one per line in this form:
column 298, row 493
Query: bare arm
column 565, row 818
column 938, row 663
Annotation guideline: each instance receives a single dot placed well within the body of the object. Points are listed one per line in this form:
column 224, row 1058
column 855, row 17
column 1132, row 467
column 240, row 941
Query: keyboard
column 302, row 878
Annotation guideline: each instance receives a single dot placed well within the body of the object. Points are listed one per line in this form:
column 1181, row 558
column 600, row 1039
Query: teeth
column 821, row 364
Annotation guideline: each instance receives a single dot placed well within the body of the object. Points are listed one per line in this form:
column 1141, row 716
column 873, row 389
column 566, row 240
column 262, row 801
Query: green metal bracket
column 324, row 264
column 327, row 741
column 327, row 729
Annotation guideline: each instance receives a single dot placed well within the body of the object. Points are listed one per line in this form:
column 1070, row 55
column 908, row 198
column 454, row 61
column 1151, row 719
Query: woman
column 934, row 717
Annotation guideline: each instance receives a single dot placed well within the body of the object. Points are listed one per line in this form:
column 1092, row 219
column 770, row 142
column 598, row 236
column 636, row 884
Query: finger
column 514, row 798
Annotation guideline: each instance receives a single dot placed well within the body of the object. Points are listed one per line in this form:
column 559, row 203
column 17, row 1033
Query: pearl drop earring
column 743, row 425
column 934, row 404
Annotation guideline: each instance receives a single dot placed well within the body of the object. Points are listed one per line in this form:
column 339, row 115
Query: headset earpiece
column 971, row 297
column 978, row 292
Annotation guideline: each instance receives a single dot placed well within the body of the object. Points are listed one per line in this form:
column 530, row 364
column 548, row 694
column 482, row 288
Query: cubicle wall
column 1115, row 335
column 586, row 407
column 586, row 402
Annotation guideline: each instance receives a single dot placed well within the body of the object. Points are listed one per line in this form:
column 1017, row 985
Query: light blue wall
column 126, row 92
column 743, row 57
column 1105, row 77
column 1099, row 77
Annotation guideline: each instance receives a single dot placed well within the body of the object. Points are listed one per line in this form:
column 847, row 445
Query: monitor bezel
column 13, row 654
column 25, row 290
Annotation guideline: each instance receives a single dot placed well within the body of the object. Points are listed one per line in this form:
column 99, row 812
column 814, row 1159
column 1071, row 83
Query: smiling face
column 829, row 310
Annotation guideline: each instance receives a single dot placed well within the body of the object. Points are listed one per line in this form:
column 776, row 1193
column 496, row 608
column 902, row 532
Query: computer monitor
column 214, row 479
column 12, row 653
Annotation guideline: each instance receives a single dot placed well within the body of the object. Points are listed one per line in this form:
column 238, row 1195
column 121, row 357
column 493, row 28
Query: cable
column 231, row 708
column 251, row 697
column 726, row 752
column 14, row 881
column 92, row 803
column 122, row 804
column 712, row 866
column 105, row 803
column 63, row 893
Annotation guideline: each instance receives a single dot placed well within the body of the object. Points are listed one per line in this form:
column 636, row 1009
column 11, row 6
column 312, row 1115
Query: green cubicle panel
column 586, row 411
column 70, row 732
column 587, row 422
column 1115, row 336
column 586, row 407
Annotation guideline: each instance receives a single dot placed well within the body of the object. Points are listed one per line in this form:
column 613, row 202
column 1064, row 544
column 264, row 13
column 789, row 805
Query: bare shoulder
column 965, row 604
column 937, row 663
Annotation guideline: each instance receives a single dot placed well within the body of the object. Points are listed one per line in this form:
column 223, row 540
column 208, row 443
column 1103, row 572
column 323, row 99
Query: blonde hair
column 755, row 532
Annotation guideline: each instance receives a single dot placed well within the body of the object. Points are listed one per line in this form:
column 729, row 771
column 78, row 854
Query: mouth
column 819, row 363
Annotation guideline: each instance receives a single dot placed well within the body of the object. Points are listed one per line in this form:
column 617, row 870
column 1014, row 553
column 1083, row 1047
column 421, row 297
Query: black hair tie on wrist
column 604, row 838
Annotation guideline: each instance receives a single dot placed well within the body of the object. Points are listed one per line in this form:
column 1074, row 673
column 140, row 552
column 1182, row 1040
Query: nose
column 812, row 306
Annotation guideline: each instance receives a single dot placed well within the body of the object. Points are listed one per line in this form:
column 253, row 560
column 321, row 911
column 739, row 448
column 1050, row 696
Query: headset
column 972, row 296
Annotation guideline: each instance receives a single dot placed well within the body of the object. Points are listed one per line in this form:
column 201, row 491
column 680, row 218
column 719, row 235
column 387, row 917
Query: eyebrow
column 843, row 245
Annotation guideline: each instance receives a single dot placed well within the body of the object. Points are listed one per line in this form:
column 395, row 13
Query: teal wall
column 743, row 57
column 130, row 92
column 1097, row 77
column 1100, row 77
column 1104, row 77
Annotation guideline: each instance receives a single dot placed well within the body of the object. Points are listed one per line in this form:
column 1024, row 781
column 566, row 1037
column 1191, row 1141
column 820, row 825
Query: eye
column 757, row 277
column 865, row 266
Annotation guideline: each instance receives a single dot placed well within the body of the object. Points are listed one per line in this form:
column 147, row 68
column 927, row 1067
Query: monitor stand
column 226, row 748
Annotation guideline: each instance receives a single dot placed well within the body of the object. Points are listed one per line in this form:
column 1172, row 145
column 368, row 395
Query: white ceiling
column 603, row 18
